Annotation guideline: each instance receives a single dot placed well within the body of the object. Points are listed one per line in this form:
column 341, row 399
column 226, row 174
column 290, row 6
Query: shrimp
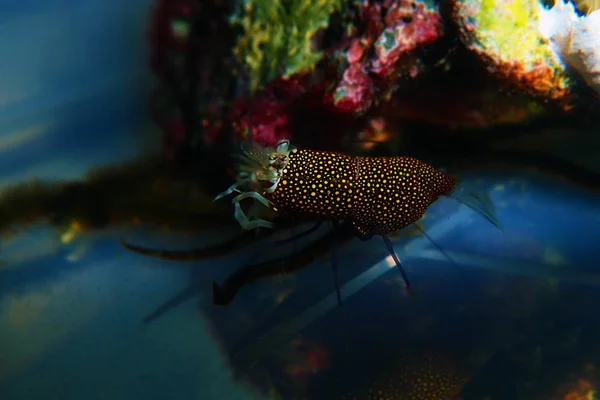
column 376, row 195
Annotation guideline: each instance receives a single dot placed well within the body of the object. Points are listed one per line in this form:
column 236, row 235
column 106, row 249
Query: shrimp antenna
column 292, row 239
column 334, row 266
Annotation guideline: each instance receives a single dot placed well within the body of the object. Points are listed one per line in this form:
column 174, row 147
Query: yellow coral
column 506, row 35
column 277, row 34
column 509, row 28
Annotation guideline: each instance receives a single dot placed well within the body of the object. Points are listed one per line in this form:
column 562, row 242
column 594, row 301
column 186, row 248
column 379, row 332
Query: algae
column 276, row 36
column 510, row 29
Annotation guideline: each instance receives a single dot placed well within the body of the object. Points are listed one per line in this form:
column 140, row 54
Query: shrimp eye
column 283, row 146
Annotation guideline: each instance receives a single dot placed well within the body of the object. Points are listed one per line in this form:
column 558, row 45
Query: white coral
column 574, row 39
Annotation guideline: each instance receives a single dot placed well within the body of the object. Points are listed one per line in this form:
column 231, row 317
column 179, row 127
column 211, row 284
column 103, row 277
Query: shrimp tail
column 477, row 200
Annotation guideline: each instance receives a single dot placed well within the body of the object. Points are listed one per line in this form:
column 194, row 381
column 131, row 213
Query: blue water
column 71, row 313
column 74, row 90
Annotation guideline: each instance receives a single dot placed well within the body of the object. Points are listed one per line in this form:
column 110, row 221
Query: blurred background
column 118, row 121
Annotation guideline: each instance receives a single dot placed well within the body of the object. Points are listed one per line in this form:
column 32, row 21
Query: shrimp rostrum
column 375, row 195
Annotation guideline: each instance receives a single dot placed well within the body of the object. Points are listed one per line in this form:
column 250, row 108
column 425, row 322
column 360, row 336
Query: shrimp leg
column 334, row 265
column 225, row 293
column 239, row 241
column 285, row 241
column 390, row 248
column 241, row 216
column 236, row 242
column 195, row 287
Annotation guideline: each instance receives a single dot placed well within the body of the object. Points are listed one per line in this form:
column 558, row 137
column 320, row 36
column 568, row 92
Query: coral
column 170, row 27
column 266, row 116
column 355, row 92
column 169, row 46
column 581, row 390
column 578, row 386
column 396, row 29
column 277, row 36
column 587, row 6
column 506, row 36
column 267, row 125
column 298, row 68
column 195, row 74
column 574, row 39
column 478, row 108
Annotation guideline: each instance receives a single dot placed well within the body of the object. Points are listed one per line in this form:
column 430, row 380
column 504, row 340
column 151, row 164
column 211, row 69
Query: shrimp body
column 377, row 195
column 383, row 194
column 373, row 193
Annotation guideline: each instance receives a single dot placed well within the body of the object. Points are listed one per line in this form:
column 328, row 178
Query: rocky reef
column 325, row 72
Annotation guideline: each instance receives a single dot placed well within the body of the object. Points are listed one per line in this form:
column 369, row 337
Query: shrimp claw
column 241, row 217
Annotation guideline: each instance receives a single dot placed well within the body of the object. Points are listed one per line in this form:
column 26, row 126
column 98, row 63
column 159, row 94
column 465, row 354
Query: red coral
column 394, row 30
column 266, row 120
column 302, row 104
column 298, row 108
column 355, row 92
column 266, row 115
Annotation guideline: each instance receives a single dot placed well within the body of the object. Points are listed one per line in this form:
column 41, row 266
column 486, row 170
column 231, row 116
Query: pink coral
column 395, row 29
column 196, row 103
column 355, row 91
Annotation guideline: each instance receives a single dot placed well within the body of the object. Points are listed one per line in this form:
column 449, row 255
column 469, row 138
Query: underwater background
column 497, row 314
